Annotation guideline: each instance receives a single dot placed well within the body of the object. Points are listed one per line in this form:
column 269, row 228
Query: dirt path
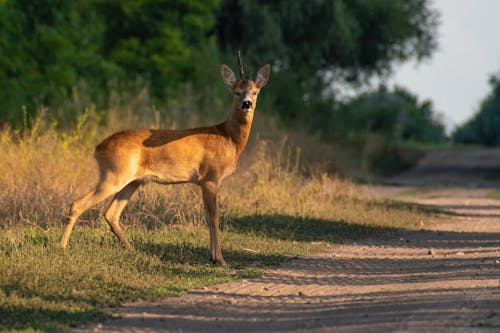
column 444, row 278
column 474, row 168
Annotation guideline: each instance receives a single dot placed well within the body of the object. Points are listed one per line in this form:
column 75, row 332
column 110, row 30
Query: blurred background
column 334, row 93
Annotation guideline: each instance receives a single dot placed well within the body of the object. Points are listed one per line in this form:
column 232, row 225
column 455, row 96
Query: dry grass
column 43, row 170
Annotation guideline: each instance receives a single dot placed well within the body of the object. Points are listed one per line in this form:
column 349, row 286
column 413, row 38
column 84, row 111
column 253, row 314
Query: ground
column 444, row 277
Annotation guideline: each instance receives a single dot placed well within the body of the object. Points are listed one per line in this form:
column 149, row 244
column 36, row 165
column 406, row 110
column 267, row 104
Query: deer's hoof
column 219, row 262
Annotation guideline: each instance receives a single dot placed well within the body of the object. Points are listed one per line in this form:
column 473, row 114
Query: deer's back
column 169, row 156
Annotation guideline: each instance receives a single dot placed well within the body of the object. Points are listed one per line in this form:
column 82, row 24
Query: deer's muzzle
column 246, row 105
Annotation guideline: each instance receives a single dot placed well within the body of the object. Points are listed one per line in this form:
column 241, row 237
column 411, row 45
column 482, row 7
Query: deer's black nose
column 246, row 105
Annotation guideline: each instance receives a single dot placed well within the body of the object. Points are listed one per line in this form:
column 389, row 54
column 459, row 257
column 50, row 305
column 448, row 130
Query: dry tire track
column 443, row 279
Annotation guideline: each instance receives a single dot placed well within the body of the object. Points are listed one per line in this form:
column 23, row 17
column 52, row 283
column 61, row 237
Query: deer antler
column 242, row 74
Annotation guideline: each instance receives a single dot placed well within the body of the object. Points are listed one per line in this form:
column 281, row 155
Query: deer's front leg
column 209, row 192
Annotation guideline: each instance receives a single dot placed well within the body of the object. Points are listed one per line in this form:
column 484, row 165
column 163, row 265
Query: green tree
column 51, row 49
column 158, row 39
column 483, row 127
column 315, row 45
column 358, row 37
column 397, row 115
column 48, row 48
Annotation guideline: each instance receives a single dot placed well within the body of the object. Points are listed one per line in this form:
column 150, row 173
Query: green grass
column 494, row 194
column 426, row 192
column 43, row 288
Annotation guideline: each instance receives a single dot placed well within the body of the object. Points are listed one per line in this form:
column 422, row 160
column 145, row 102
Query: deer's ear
column 263, row 76
column 228, row 77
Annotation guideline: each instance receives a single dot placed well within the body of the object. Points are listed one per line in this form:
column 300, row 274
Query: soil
column 444, row 277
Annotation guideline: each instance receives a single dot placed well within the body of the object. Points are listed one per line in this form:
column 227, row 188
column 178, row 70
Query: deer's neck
column 238, row 126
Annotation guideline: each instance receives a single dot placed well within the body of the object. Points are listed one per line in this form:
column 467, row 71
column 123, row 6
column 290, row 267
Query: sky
column 456, row 77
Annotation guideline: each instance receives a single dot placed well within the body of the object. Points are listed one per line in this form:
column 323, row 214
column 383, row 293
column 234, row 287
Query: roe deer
column 203, row 156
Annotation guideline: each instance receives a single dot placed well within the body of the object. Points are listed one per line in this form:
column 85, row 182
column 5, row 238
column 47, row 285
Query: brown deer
column 203, row 156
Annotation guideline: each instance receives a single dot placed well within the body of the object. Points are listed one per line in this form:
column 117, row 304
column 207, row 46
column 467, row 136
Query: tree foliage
column 47, row 48
column 50, row 48
column 397, row 115
column 355, row 39
column 483, row 127
column 316, row 46
column 157, row 38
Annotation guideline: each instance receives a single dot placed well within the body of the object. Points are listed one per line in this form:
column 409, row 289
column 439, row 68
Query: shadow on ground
column 374, row 290
column 370, row 312
column 293, row 228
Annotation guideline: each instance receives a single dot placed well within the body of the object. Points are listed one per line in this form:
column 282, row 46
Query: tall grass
column 42, row 170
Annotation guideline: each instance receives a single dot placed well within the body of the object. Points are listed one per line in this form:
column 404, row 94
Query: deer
column 204, row 156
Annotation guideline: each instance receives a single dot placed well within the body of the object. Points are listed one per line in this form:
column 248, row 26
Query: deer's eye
column 237, row 94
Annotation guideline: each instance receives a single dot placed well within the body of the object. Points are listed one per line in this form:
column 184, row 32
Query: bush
column 482, row 128
column 382, row 124
column 396, row 115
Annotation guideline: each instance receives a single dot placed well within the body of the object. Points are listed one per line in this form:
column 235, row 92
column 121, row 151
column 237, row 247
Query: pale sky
column 456, row 77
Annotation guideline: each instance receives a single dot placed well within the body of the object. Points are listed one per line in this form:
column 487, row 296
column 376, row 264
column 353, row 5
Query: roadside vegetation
column 272, row 209
column 482, row 127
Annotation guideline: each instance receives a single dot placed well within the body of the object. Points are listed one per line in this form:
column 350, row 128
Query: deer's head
column 244, row 89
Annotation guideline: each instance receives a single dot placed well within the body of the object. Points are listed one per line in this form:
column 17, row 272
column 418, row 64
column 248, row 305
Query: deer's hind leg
column 116, row 207
column 103, row 190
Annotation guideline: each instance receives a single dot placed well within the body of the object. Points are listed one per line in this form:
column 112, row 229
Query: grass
column 427, row 192
column 44, row 288
column 494, row 194
column 270, row 212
